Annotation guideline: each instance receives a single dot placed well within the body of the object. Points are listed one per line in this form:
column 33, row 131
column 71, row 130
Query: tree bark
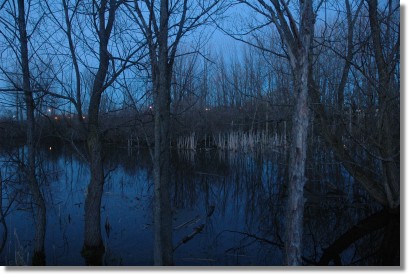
column 93, row 237
column 163, row 247
column 163, row 251
column 297, row 37
column 38, row 200
column 93, row 248
column 297, row 179
column 299, row 54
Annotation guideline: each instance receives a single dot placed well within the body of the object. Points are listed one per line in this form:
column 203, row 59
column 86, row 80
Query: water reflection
column 227, row 207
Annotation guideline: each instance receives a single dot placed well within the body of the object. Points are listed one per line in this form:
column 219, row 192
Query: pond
column 236, row 199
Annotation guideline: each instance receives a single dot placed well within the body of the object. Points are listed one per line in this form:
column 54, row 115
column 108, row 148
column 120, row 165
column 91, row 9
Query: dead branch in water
column 187, row 238
column 194, row 220
column 249, row 235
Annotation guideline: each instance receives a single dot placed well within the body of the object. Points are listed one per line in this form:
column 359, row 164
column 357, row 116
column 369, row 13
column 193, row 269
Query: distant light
column 49, row 110
column 83, row 117
column 207, row 109
column 50, row 148
column 150, row 107
column 56, row 118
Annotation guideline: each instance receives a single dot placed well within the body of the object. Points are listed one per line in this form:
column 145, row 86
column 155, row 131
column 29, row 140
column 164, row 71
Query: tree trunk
column 386, row 189
column 2, row 219
column 38, row 200
column 387, row 145
column 297, row 179
column 163, row 251
column 93, row 246
column 163, row 248
column 300, row 58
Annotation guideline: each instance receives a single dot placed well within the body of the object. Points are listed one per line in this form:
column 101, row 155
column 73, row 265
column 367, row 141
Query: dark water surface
column 238, row 198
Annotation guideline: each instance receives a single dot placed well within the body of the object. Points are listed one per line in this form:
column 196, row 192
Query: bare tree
column 96, row 51
column 164, row 25
column 368, row 147
column 18, row 32
column 93, row 237
column 297, row 37
column 387, row 52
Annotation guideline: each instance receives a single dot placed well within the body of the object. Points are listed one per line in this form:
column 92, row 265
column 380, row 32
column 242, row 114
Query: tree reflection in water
column 228, row 209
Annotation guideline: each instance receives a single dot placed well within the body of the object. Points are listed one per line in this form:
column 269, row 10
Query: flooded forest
column 200, row 133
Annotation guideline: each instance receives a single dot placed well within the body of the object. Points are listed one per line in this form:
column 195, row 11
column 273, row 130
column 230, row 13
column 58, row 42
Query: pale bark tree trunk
column 298, row 42
column 297, row 37
column 298, row 155
column 38, row 200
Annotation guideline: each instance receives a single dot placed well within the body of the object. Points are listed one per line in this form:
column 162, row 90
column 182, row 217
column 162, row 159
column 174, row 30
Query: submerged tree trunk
column 163, row 247
column 188, row 16
column 93, row 248
column 163, row 250
column 38, row 200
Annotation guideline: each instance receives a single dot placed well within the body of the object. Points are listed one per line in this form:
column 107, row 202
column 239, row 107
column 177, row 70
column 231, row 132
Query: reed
column 245, row 141
column 187, row 142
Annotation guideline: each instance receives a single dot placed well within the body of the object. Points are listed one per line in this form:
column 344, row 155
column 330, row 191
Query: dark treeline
column 123, row 125
column 305, row 77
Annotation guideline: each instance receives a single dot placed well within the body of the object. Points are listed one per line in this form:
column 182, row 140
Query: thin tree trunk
column 387, row 146
column 78, row 105
column 163, row 251
column 386, row 189
column 38, row 200
column 2, row 219
column 163, row 248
